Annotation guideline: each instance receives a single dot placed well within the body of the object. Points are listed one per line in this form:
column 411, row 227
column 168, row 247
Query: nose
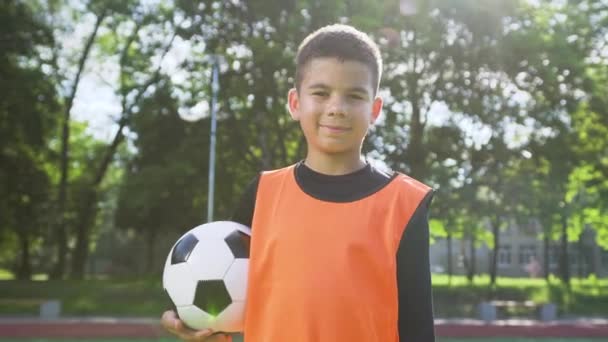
column 337, row 106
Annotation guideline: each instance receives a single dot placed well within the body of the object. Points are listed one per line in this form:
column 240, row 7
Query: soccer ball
column 205, row 276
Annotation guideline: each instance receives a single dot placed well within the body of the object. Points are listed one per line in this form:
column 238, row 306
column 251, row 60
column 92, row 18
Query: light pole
column 213, row 108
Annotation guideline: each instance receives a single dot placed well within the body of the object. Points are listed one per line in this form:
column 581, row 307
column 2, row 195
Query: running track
column 148, row 328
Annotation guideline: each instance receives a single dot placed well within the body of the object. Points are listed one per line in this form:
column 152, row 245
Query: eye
column 320, row 93
column 356, row 96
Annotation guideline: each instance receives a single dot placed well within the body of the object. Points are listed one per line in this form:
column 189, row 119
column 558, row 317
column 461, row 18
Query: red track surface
column 149, row 329
column 522, row 329
column 57, row 329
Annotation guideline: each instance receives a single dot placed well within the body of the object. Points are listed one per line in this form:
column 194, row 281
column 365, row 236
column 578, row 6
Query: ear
column 293, row 101
column 376, row 109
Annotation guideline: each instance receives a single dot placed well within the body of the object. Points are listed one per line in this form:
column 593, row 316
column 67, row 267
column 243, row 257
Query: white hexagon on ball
column 210, row 259
column 178, row 282
column 236, row 279
column 231, row 319
column 195, row 318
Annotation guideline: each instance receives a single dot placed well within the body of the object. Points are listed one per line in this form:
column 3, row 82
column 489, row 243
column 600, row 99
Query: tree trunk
column 546, row 270
column 450, row 271
column 260, row 108
column 61, row 234
column 472, row 267
column 465, row 257
column 415, row 149
column 24, row 267
column 89, row 208
column 266, row 159
column 261, row 120
column 150, row 260
column 494, row 259
column 564, row 265
column 80, row 254
column 594, row 264
column 582, row 257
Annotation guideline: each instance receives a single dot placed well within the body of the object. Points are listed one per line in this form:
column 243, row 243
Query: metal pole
column 213, row 108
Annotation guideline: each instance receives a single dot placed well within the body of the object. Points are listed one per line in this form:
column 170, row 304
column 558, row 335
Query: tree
column 139, row 64
column 100, row 14
column 27, row 108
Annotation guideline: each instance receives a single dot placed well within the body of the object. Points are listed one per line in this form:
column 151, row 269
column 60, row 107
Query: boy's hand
column 174, row 325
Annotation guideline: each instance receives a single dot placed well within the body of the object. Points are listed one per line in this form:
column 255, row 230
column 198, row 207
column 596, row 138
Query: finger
column 225, row 337
column 187, row 334
column 174, row 325
column 219, row 337
column 198, row 335
column 168, row 320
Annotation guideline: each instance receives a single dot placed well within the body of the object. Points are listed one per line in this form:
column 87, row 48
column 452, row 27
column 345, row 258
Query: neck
column 334, row 165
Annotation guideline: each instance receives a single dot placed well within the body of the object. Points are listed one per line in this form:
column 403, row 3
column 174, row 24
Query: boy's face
column 335, row 106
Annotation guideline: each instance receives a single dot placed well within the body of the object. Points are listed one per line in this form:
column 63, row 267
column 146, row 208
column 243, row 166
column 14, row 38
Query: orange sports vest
column 324, row 271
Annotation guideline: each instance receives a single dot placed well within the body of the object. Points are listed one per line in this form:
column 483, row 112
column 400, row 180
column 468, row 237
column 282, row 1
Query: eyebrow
column 325, row 86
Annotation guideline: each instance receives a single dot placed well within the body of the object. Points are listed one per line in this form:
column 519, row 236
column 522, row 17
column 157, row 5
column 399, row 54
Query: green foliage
column 500, row 106
column 587, row 188
column 27, row 120
column 437, row 228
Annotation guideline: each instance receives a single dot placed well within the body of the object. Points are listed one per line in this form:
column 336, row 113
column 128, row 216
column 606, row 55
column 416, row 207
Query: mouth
column 334, row 128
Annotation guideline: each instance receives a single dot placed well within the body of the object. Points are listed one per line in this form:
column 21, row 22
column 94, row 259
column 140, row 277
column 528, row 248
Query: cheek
column 309, row 111
column 309, row 105
column 308, row 124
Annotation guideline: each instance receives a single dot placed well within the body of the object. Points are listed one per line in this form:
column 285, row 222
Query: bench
column 488, row 311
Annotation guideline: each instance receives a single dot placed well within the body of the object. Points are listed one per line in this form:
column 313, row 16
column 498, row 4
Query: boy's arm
column 243, row 212
column 414, row 278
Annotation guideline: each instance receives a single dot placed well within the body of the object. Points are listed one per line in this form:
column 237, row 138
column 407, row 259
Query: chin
column 335, row 150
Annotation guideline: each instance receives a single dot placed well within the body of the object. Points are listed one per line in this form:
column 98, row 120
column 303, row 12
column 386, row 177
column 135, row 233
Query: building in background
column 521, row 254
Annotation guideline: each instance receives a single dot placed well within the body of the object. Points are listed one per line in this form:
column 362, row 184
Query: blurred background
column 105, row 140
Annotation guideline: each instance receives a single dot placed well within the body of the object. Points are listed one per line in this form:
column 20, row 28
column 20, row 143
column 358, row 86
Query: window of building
column 504, row 256
column 554, row 256
column 604, row 259
column 526, row 253
column 573, row 256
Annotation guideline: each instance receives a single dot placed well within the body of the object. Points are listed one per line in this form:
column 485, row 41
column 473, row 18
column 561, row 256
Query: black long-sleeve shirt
column 413, row 269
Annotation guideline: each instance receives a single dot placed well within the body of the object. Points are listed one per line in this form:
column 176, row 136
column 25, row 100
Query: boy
column 339, row 249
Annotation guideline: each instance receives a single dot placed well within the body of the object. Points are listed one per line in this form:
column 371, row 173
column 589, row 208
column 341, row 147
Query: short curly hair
column 343, row 42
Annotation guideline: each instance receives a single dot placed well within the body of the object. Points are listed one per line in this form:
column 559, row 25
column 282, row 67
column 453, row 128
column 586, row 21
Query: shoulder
column 400, row 180
column 410, row 184
column 277, row 172
column 270, row 177
column 415, row 192
column 412, row 192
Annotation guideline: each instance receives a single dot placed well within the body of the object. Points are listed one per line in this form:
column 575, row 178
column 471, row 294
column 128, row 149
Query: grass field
column 459, row 298
column 144, row 297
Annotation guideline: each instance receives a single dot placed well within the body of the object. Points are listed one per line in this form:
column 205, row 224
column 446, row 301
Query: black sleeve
column 243, row 213
column 414, row 278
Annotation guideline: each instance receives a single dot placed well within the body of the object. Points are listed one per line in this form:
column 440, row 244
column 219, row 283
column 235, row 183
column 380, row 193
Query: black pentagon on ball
column 238, row 242
column 183, row 249
column 212, row 296
column 170, row 301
